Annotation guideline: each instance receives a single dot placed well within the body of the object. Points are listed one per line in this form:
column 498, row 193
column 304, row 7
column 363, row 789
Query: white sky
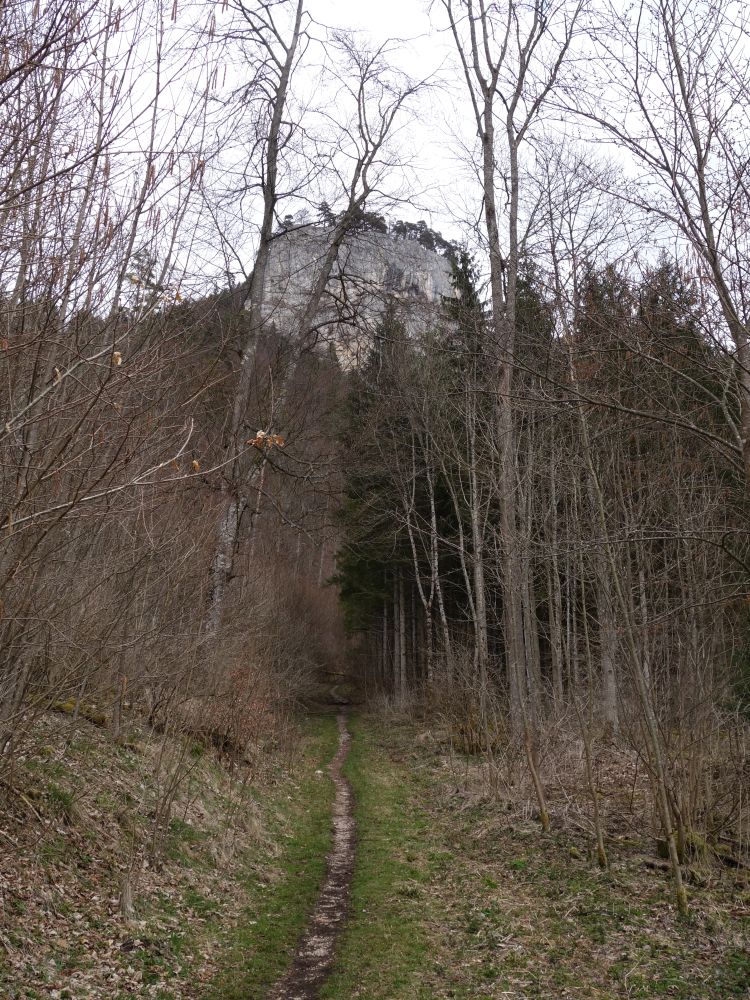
column 425, row 51
column 439, row 140
column 382, row 19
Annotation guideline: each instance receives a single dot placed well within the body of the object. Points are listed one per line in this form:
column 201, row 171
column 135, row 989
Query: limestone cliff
column 372, row 269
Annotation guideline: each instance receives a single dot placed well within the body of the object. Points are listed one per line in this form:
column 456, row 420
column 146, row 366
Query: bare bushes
column 119, row 372
column 599, row 783
column 473, row 717
column 251, row 679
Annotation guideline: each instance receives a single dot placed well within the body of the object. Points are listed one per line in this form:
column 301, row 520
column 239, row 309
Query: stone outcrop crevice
column 372, row 270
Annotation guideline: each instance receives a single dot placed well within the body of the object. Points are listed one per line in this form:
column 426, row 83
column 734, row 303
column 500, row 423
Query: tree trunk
column 401, row 640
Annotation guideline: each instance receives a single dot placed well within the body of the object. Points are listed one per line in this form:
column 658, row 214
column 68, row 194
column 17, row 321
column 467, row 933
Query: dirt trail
column 314, row 956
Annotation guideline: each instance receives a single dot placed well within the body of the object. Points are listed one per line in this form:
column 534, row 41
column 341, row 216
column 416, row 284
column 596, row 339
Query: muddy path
column 314, row 957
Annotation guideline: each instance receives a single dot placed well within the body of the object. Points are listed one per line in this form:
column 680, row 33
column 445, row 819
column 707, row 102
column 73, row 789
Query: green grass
column 61, row 802
column 451, row 900
column 180, row 838
column 257, row 844
column 385, row 949
column 452, row 896
column 733, row 978
column 258, row 950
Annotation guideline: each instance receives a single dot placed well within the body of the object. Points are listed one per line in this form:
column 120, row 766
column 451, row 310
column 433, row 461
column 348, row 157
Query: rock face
column 372, row 269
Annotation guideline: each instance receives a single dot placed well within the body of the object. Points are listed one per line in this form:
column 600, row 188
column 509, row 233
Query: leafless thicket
column 548, row 527
column 545, row 490
column 167, row 452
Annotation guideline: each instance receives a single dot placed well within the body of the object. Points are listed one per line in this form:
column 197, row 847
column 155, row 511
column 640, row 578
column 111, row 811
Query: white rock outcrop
column 372, row 269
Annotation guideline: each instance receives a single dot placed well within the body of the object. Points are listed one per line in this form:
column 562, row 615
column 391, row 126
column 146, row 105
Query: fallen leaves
column 61, row 933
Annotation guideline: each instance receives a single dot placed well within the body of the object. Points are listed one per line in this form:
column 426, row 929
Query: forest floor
column 452, row 895
column 221, row 892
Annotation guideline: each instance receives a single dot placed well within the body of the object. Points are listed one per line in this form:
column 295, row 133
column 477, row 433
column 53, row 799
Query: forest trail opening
column 314, row 956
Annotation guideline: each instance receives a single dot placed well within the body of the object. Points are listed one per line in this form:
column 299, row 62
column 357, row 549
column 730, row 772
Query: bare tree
column 95, row 223
column 678, row 97
column 511, row 59
column 374, row 99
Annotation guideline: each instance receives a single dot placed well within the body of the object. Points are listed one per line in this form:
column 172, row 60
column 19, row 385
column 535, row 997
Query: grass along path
column 217, row 911
column 315, row 952
column 454, row 898
column 259, row 948
column 385, row 949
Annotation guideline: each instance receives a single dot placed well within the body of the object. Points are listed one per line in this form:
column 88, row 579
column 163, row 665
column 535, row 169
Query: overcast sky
column 384, row 19
column 425, row 51
column 440, row 138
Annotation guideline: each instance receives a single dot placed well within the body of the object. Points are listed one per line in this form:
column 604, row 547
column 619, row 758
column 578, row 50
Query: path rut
column 314, row 957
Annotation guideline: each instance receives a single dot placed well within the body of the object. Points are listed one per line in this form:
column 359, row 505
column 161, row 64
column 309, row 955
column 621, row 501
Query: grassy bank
column 258, row 949
column 221, row 885
column 453, row 897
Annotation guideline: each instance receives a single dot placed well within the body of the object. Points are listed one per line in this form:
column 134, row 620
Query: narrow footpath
column 314, row 957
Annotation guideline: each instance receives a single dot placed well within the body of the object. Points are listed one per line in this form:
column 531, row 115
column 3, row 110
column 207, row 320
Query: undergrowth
column 455, row 897
column 217, row 909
